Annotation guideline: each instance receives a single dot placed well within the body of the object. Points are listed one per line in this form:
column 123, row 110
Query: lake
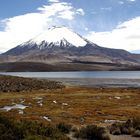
column 88, row 78
column 79, row 74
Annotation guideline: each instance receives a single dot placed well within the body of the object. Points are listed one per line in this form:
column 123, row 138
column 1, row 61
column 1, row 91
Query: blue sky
column 109, row 23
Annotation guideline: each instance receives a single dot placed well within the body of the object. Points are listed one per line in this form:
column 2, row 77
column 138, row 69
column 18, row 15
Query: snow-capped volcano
column 57, row 36
column 60, row 45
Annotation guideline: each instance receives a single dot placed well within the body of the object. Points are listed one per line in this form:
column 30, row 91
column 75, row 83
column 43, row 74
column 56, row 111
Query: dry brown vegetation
column 76, row 106
column 48, row 102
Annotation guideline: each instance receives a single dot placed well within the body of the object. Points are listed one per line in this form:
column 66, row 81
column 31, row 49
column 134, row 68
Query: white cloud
column 66, row 15
column 131, row 0
column 58, row 10
column 124, row 36
column 54, row 1
column 121, row 2
column 106, row 8
column 21, row 28
column 80, row 11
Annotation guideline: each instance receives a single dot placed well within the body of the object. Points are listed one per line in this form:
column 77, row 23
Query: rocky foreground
column 17, row 84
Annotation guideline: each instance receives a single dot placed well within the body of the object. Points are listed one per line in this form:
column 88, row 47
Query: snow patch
column 58, row 35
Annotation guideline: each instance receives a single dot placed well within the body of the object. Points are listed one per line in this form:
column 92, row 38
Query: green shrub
column 131, row 130
column 92, row 132
column 28, row 130
column 64, row 128
column 136, row 133
column 136, row 123
column 125, row 131
column 117, row 131
column 74, row 129
column 33, row 137
column 130, row 127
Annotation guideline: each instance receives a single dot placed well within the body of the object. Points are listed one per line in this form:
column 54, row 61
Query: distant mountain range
column 136, row 51
column 61, row 49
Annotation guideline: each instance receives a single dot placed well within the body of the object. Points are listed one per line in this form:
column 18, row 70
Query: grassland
column 74, row 105
column 42, row 102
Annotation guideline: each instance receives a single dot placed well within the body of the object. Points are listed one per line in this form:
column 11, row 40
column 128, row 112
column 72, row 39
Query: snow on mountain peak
column 57, row 35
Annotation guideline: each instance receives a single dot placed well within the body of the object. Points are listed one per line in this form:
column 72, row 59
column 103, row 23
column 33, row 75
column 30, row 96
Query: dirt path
column 123, row 137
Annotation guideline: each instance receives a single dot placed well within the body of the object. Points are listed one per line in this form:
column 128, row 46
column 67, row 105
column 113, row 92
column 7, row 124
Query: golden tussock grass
column 75, row 105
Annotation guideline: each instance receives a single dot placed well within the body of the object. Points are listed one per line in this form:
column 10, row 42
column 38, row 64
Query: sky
column 108, row 23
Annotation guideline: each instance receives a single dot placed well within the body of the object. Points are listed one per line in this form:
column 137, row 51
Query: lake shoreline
column 97, row 79
column 99, row 82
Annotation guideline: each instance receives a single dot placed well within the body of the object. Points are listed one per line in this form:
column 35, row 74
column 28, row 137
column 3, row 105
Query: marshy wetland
column 77, row 106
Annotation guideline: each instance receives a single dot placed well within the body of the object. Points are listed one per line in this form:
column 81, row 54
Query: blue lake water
column 84, row 74
column 88, row 78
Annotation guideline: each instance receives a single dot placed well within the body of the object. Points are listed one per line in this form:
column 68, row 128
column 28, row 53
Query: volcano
column 61, row 49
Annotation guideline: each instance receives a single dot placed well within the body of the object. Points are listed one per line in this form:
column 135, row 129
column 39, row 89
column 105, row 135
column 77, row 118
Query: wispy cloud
column 59, row 10
column 124, row 36
column 80, row 11
column 121, row 2
column 131, row 0
column 106, row 8
column 21, row 28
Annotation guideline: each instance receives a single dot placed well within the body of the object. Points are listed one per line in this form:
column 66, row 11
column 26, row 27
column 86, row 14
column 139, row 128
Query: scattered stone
column 65, row 104
column 117, row 97
column 40, row 103
column 21, row 112
column 22, row 101
column 128, row 97
column 113, row 121
column 47, row 118
column 82, row 120
column 55, row 102
column 37, row 98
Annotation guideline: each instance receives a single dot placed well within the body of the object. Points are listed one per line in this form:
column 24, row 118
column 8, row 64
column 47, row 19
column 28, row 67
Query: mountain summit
column 59, row 36
column 53, row 37
column 63, row 49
